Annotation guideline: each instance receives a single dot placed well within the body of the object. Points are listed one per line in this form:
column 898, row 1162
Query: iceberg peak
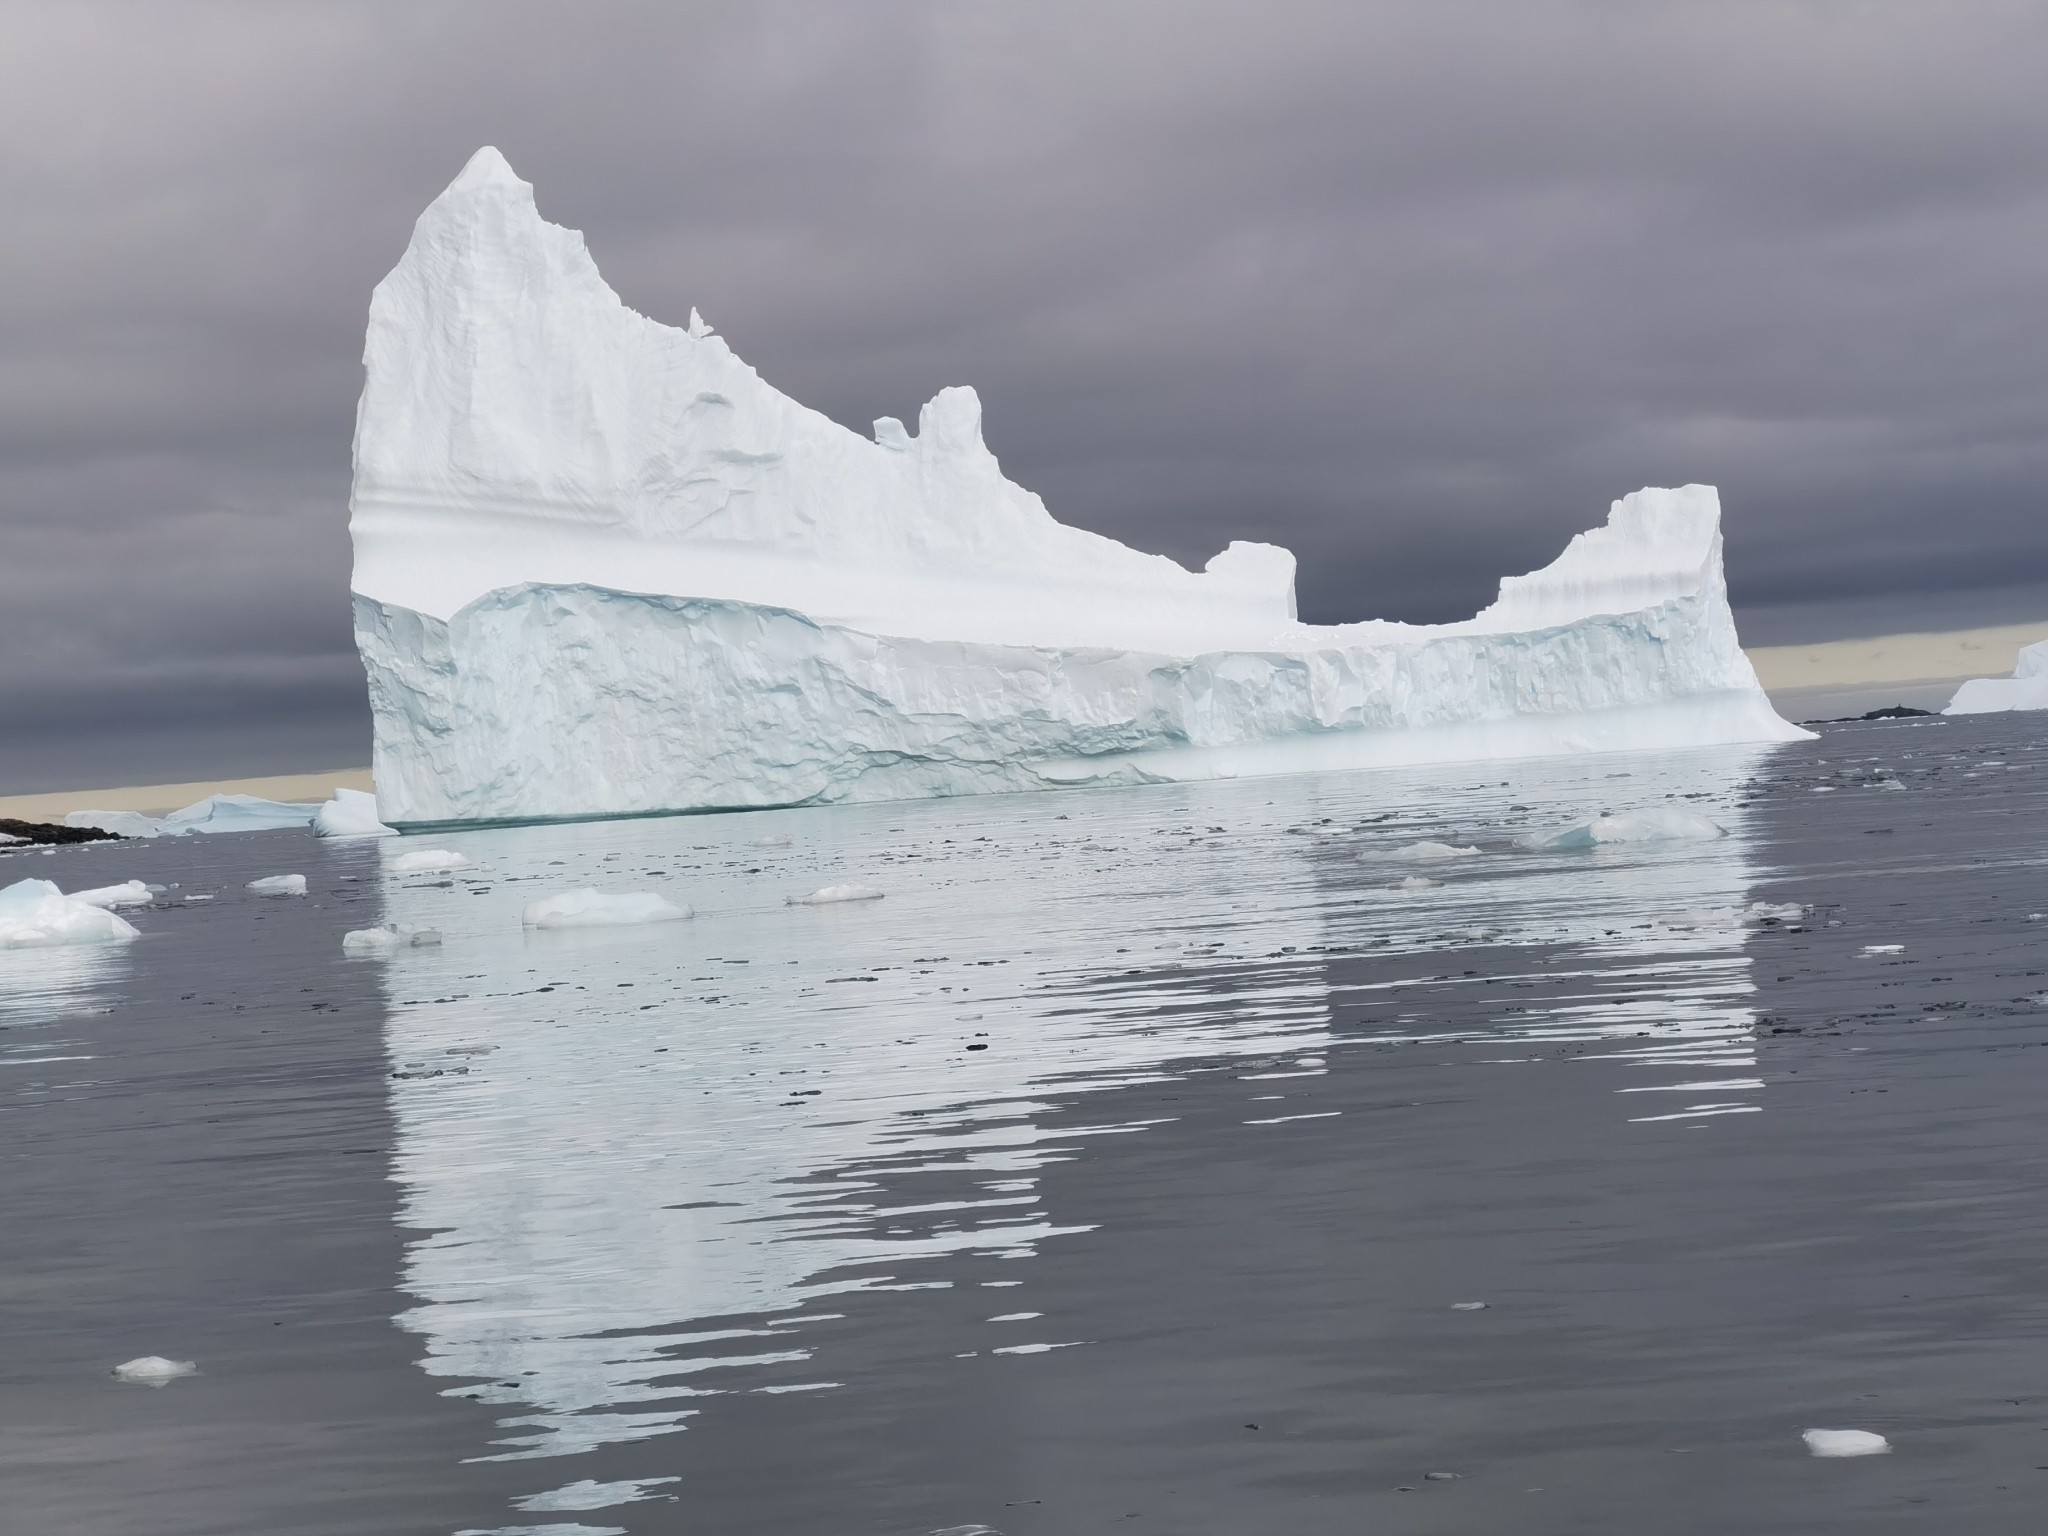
column 487, row 168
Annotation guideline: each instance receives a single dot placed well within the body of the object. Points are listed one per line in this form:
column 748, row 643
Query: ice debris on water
column 1845, row 1442
column 1416, row 883
column 429, row 861
column 1431, row 853
column 828, row 895
column 36, row 914
column 1659, row 824
column 279, row 885
column 130, row 893
column 588, row 908
column 351, row 813
column 782, row 841
column 153, row 1370
column 1468, row 1306
column 884, row 617
column 388, row 939
column 1884, row 949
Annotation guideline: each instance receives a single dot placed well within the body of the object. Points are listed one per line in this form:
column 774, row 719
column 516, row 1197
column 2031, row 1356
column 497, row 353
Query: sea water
column 1194, row 1158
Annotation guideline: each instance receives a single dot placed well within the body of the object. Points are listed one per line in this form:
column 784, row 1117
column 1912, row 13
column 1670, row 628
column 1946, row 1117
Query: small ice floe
column 827, row 895
column 1845, row 1442
column 351, row 813
column 429, row 861
column 1775, row 912
column 35, row 914
column 589, row 908
column 1431, row 853
column 388, row 940
column 1660, row 824
column 153, row 1370
column 279, row 885
column 782, row 841
column 130, row 893
column 1416, row 883
column 1884, row 949
column 1468, row 1306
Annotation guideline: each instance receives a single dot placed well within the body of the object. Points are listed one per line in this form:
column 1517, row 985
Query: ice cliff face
column 2027, row 688
column 602, row 568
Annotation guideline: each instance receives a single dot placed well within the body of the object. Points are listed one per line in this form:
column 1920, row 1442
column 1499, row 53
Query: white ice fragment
column 279, row 885
column 539, row 531
column 589, row 908
column 428, row 861
column 827, row 895
column 1775, row 912
column 351, row 813
column 153, row 1370
column 1468, row 1306
column 130, row 893
column 2027, row 688
column 772, row 842
column 1416, row 883
column 1884, row 949
column 388, row 939
column 35, row 914
column 1431, row 853
column 1845, row 1442
column 1659, row 824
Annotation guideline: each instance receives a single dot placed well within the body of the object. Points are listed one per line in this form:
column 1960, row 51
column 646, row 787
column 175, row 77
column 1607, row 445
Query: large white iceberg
column 2027, row 688
column 216, row 813
column 602, row 568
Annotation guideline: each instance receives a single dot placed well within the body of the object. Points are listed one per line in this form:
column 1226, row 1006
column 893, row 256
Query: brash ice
column 602, row 568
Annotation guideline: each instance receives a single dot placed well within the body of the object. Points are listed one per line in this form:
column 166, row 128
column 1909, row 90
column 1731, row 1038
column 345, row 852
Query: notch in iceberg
column 603, row 568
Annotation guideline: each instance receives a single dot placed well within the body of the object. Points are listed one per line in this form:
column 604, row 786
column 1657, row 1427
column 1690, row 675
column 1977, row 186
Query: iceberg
column 2027, row 688
column 602, row 568
column 36, row 914
column 351, row 813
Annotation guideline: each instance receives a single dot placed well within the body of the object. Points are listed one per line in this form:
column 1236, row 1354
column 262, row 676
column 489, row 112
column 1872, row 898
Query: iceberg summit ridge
column 603, row 568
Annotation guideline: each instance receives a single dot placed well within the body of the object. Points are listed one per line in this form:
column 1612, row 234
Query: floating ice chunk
column 1416, row 883
column 1431, row 853
column 589, row 908
column 1659, row 824
column 1884, row 949
column 351, row 813
column 388, row 939
column 428, row 861
column 772, row 842
column 35, row 914
column 1468, row 1306
column 1845, row 1442
column 153, row 1370
column 279, row 885
column 827, row 895
column 1775, row 912
column 130, row 893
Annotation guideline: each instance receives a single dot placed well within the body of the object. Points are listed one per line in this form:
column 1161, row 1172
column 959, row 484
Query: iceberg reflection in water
column 644, row 1158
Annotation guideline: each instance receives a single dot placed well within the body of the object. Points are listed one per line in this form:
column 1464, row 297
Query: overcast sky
column 1415, row 289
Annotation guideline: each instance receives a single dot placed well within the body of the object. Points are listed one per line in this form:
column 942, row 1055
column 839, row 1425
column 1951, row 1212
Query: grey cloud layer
column 1413, row 288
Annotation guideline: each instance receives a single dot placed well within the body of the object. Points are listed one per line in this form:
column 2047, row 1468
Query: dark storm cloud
column 1413, row 288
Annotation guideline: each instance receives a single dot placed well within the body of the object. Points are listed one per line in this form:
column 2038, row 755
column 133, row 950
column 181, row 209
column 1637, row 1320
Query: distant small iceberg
column 2027, row 688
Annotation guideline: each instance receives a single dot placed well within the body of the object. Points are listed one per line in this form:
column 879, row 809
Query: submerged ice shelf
column 602, row 568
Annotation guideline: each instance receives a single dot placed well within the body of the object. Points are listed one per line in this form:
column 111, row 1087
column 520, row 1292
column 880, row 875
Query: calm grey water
column 1120, row 1170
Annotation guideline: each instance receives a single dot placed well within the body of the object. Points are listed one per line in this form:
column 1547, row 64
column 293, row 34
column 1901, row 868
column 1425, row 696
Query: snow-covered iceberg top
column 603, row 568
column 2027, row 688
